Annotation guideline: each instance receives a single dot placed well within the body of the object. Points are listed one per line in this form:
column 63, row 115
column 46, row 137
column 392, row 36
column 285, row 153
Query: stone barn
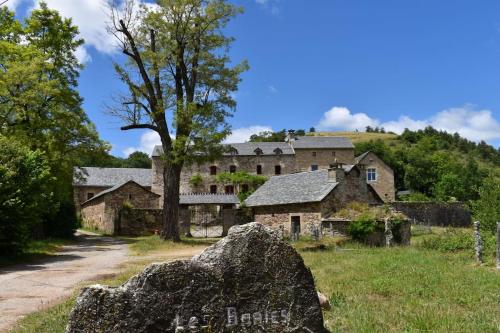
column 299, row 201
column 102, row 210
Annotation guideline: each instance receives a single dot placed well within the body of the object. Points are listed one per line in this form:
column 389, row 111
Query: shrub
column 455, row 240
column 196, row 180
column 487, row 208
column 362, row 226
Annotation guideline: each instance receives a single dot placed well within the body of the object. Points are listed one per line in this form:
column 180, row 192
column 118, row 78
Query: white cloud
column 13, row 4
column 243, row 134
column 469, row 122
column 342, row 118
column 270, row 5
column 272, row 89
column 147, row 142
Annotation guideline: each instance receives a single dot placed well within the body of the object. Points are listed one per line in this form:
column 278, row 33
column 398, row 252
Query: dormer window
column 278, row 151
column 258, row 151
column 233, row 151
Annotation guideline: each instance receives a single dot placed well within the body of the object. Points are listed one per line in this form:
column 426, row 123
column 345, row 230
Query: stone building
column 306, row 153
column 268, row 159
column 101, row 212
column 379, row 175
column 299, row 201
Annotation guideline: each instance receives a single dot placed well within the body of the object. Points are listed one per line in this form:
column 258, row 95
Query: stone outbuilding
column 101, row 212
column 298, row 202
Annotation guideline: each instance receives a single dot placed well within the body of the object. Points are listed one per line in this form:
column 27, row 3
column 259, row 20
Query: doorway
column 295, row 227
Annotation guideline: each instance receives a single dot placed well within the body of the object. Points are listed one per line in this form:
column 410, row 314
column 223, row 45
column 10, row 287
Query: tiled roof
column 114, row 188
column 249, row 148
column 208, row 198
column 321, row 142
column 90, row 176
column 300, row 187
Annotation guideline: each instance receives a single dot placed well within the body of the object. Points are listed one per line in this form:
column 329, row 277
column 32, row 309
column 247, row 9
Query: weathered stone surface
column 251, row 281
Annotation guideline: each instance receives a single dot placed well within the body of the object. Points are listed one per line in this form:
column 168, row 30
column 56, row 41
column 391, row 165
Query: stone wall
column 384, row 184
column 139, row 222
column 352, row 188
column 281, row 216
column 443, row 214
column 304, row 158
column 94, row 216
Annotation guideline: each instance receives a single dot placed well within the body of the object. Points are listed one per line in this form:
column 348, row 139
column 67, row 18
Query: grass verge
column 35, row 250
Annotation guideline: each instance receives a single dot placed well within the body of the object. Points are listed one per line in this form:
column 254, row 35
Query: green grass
column 401, row 289
column 35, row 250
column 357, row 137
column 148, row 244
column 406, row 290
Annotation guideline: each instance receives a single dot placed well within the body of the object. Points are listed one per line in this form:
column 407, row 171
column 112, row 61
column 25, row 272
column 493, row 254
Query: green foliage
column 362, row 226
column 436, row 164
column 40, row 106
column 268, row 136
column 487, row 208
column 25, row 196
column 242, row 178
column 416, row 197
column 196, row 180
column 455, row 240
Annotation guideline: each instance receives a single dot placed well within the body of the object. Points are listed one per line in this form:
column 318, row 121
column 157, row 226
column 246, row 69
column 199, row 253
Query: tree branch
column 140, row 126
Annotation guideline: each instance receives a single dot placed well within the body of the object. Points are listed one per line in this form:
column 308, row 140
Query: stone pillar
column 479, row 242
column 498, row 245
column 389, row 237
column 228, row 219
column 185, row 221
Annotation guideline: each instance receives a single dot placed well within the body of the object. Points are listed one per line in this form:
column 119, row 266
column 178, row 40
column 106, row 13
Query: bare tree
column 179, row 82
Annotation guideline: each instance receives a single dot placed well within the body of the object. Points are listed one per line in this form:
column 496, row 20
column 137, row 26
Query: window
column 233, row 151
column 278, row 151
column 244, row 188
column 314, row 167
column 314, row 154
column 229, row 189
column 232, row 168
column 213, row 170
column 333, row 154
column 371, row 174
column 258, row 151
column 130, row 196
column 90, row 195
column 213, row 189
column 277, row 169
column 259, row 169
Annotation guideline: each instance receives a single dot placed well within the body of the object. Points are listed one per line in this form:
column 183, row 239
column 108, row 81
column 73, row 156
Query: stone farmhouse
column 319, row 172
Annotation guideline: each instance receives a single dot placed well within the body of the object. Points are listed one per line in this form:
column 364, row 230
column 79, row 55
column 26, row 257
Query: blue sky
column 334, row 65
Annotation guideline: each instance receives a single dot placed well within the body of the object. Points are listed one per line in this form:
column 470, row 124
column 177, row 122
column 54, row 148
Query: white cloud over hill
column 469, row 122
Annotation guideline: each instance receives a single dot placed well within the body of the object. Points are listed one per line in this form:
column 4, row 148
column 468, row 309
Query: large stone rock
column 250, row 281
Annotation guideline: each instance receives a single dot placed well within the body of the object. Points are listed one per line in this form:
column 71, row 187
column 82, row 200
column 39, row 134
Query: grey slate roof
column 111, row 176
column 321, row 142
column 360, row 157
column 208, row 198
column 300, row 187
column 114, row 188
column 248, row 148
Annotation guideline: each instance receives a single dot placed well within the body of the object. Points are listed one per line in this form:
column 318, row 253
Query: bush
column 64, row 223
column 362, row 226
column 24, row 194
column 455, row 240
column 487, row 208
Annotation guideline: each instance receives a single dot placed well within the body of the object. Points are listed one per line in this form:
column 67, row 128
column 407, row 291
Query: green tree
column 487, row 208
column 39, row 102
column 180, row 80
column 138, row 159
column 25, row 196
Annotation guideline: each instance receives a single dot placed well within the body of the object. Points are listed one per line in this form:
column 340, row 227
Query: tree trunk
column 171, row 185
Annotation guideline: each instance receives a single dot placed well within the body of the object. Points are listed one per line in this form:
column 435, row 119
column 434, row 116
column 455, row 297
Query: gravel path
column 29, row 287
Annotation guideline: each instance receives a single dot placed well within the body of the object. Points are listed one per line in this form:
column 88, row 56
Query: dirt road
column 31, row 287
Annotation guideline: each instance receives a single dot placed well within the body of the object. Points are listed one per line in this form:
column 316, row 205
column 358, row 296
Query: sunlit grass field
column 401, row 289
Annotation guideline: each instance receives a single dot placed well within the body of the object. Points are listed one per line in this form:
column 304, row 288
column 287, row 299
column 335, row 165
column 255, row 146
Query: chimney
column 336, row 173
column 290, row 136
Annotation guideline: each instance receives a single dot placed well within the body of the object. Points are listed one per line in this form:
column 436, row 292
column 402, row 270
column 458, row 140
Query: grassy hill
column 357, row 137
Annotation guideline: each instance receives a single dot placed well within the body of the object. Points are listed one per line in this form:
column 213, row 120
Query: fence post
column 388, row 233
column 479, row 242
column 498, row 245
